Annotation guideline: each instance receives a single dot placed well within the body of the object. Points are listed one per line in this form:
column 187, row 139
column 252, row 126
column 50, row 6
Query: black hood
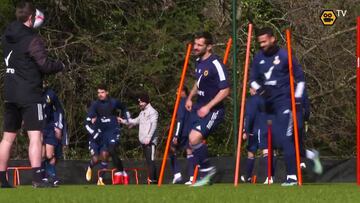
column 15, row 31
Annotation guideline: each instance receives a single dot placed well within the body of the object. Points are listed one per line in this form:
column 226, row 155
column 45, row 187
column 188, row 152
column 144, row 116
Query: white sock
column 309, row 154
column 292, row 177
column 191, row 178
column 177, row 175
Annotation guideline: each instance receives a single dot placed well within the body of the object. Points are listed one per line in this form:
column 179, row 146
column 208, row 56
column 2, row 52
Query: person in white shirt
column 147, row 121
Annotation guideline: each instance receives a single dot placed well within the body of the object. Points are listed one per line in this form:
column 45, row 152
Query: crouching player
column 54, row 134
column 104, row 129
column 256, row 132
column 181, row 141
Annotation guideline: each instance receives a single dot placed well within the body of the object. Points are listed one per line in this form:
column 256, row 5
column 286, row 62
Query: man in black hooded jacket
column 26, row 62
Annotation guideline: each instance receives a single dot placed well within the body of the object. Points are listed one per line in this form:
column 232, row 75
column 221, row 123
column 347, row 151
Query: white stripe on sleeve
column 91, row 131
column 299, row 89
column 60, row 123
column 219, row 70
column 177, row 129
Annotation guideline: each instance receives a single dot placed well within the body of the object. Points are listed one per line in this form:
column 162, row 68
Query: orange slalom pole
column 182, row 79
column 227, row 50
column 196, row 172
column 253, row 179
column 358, row 101
column 242, row 111
column 293, row 106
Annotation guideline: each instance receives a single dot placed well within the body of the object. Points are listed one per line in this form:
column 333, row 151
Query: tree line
column 139, row 45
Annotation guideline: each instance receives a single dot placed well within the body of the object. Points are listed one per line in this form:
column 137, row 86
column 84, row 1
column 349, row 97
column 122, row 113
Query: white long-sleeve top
column 147, row 121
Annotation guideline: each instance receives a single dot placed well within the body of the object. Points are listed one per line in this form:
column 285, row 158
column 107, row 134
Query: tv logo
column 328, row 17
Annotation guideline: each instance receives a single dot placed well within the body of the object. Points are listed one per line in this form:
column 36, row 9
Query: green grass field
column 181, row 193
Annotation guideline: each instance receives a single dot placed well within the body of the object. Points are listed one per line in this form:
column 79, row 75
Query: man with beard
column 211, row 88
column 147, row 121
column 103, row 114
column 269, row 76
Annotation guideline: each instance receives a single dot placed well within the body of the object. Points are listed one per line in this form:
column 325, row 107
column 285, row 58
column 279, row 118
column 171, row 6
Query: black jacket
column 26, row 60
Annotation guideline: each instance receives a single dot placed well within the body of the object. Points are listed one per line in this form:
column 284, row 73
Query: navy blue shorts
column 279, row 108
column 253, row 143
column 262, row 132
column 110, row 137
column 262, row 138
column 282, row 130
column 50, row 138
column 107, row 138
column 207, row 124
column 96, row 147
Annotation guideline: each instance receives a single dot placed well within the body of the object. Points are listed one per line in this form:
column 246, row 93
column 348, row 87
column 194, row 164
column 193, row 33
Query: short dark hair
column 206, row 35
column 144, row 97
column 24, row 9
column 102, row 86
column 265, row 31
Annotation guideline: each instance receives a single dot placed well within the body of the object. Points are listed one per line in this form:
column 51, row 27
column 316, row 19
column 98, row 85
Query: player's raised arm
column 38, row 52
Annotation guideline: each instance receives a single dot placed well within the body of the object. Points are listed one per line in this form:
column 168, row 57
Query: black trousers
column 149, row 153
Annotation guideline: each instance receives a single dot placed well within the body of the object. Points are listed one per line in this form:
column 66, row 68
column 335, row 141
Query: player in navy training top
column 52, row 133
column 303, row 116
column 255, row 131
column 181, row 141
column 269, row 76
column 211, row 88
column 103, row 118
column 97, row 151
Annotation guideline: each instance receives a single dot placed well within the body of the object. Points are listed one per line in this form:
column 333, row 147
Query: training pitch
column 182, row 193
